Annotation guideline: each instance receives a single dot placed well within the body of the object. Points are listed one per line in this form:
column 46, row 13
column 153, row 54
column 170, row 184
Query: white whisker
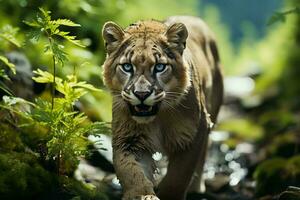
column 169, row 105
column 177, row 102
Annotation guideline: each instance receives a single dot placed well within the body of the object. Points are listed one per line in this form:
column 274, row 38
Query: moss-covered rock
column 283, row 145
column 275, row 175
column 21, row 177
column 10, row 139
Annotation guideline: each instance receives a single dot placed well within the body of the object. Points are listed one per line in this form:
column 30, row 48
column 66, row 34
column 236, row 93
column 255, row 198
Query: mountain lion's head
column 144, row 68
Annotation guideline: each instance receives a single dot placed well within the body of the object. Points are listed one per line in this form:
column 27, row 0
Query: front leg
column 182, row 166
column 132, row 176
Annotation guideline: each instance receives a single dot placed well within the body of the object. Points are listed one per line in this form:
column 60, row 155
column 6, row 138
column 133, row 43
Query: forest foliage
column 62, row 131
column 44, row 131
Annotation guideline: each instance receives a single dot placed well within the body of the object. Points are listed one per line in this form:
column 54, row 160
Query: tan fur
column 181, row 126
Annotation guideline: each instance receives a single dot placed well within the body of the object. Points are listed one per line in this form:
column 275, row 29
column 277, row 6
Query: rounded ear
column 177, row 34
column 113, row 36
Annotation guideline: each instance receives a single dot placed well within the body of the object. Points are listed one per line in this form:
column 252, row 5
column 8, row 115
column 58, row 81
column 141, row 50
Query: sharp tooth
column 136, row 108
column 149, row 109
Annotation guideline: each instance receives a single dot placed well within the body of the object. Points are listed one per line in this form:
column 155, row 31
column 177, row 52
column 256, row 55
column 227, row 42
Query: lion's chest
column 155, row 137
column 168, row 137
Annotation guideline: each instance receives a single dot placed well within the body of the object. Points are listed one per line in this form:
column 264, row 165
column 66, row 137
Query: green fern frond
column 71, row 88
column 65, row 22
column 59, row 53
column 9, row 33
column 50, row 28
column 11, row 66
column 44, row 77
column 70, row 38
column 45, row 17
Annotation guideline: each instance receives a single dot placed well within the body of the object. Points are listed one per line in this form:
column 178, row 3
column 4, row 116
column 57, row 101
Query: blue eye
column 159, row 67
column 127, row 67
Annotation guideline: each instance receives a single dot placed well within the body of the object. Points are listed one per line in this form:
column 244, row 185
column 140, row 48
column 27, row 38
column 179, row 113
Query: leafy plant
column 8, row 64
column 67, row 129
column 7, row 35
column 44, row 25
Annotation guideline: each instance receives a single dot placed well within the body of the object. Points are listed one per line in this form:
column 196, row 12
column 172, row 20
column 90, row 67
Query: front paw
column 149, row 197
column 146, row 197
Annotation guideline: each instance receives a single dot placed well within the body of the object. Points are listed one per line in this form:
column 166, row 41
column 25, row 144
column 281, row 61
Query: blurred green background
column 244, row 39
column 270, row 54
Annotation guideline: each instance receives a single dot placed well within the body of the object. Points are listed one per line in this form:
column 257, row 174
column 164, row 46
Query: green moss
column 277, row 119
column 283, row 145
column 10, row 139
column 81, row 191
column 275, row 175
column 22, row 177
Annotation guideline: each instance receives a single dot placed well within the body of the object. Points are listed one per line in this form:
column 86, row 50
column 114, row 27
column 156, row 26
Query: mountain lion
column 167, row 89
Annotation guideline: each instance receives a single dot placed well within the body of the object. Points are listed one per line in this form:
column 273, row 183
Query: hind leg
column 197, row 184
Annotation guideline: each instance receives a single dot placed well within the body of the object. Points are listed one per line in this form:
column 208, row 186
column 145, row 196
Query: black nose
column 142, row 95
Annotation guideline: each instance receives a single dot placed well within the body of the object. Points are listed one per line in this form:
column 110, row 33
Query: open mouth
column 143, row 110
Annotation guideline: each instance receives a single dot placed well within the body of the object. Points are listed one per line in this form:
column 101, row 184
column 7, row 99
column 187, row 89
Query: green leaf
column 82, row 84
column 32, row 24
column 11, row 66
column 85, row 85
column 45, row 15
column 59, row 54
column 277, row 16
column 34, row 35
column 70, row 38
column 281, row 16
column 45, row 77
column 8, row 33
column 65, row 22
column 3, row 87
